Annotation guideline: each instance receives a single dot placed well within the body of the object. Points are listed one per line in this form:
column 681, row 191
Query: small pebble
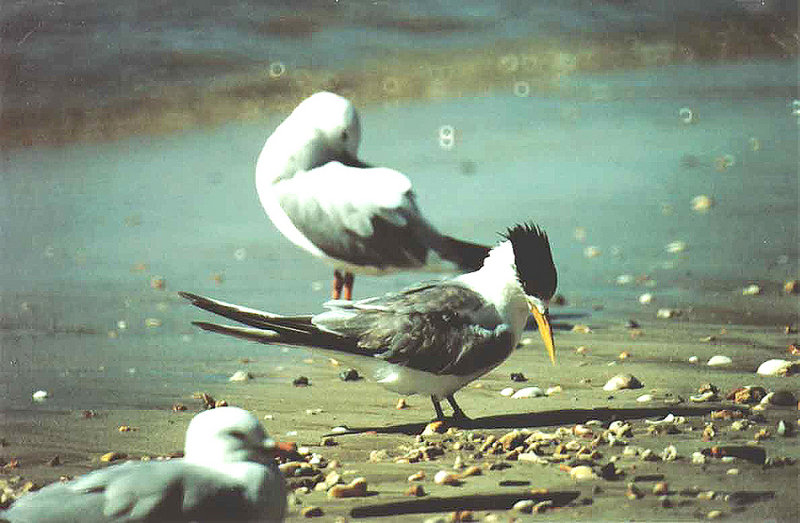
column 40, row 395
column 702, row 203
column 582, row 473
column 719, row 360
column 791, row 287
column 714, row 514
column 356, row 488
column 751, row 290
column 646, row 298
column 349, row 375
column 507, row 392
column 666, row 313
column 693, row 359
column 661, row 488
column 581, row 329
column 301, row 381
column 555, row 389
column 415, row 491
column 445, row 477
column 676, row 246
column 401, row 404
column 644, row 398
column 108, row 457
column 311, row 512
column 241, row 375
column 622, row 381
column 778, row 367
column 528, row 392
column 435, row 427
column 417, row 476
column 592, row 251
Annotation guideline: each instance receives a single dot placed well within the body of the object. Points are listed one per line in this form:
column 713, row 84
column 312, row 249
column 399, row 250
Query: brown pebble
column 178, row 407
column 462, row 515
column 791, row 287
column 624, row 355
column 356, row 488
column 311, row 512
column 415, row 491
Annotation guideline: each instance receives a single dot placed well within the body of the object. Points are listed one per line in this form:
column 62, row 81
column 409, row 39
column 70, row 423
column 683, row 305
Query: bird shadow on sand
column 541, row 419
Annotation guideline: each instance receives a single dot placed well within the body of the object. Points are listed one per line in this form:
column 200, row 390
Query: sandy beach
column 669, row 192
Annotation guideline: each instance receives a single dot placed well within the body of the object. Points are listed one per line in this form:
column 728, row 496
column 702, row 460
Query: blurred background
column 655, row 141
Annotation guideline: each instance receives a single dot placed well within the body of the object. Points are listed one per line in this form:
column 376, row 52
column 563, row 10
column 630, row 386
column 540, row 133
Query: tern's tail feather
column 271, row 328
column 468, row 256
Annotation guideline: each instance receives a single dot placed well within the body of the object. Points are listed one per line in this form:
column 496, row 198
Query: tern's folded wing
column 365, row 217
column 442, row 328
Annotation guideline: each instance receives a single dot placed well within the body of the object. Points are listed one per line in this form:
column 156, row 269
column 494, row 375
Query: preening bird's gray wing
column 364, row 216
column 442, row 328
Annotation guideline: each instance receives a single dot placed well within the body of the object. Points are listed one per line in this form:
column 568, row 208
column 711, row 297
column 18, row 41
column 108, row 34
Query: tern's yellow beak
column 544, row 331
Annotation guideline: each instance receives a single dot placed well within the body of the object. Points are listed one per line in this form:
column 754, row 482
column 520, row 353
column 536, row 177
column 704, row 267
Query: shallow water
column 86, row 227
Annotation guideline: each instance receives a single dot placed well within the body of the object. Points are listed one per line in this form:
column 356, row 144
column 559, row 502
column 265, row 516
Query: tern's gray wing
column 366, row 217
column 442, row 328
column 153, row 491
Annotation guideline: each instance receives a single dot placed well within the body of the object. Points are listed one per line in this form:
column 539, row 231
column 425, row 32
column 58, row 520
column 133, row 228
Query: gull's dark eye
column 344, row 135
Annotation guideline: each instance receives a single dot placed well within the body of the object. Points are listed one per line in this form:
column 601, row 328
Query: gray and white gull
column 359, row 218
column 429, row 339
column 228, row 473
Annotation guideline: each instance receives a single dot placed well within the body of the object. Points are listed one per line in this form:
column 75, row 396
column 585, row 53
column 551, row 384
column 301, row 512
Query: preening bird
column 228, row 473
column 359, row 218
column 429, row 339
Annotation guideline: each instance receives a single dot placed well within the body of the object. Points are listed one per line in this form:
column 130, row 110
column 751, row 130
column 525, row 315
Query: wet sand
column 658, row 356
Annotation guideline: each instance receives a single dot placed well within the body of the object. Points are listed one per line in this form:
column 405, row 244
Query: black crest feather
column 535, row 267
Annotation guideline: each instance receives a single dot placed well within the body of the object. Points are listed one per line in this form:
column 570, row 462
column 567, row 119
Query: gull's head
column 228, row 435
column 537, row 275
column 336, row 125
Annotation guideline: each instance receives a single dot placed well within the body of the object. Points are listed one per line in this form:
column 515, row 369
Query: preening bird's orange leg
column 349, row 279
column 338, row 283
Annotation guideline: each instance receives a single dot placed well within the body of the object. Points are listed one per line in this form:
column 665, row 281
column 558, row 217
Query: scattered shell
column 507, row 392
column 528, row 392
column 633, row 492
column 445, row 477
column 622, row 381
column 624, row 355
column 555, row 389
column 667, row 313
column 152, row 323
column 719, row 360
column 644, row 398
column 702, row 203
column 747, row 394
column 376, row 456
column 356, row 488
column 777, row 367
column 524, row 505
column 693, row 359
column 791, row 287
column 241, row 375
column 785, row 429
column 472, row 470
column 40, row 395
column 125, row 428
column 714, row 514
column 646, row 298
column 751, row 290
column 417, row 476
column 592, row 251
column 582, row 329
column 108, row 457
column 158, row 283
column 582, row 473
column 669, row 453
column 676, row 246
column 698, row 458
column 732, row 472
column 542, row 506
column 435, row 427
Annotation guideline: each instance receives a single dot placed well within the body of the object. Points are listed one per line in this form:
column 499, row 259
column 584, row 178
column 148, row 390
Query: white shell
column 528, row 392
column 445, row 477
column 624, row 279
column 508, row 391
column 676, row 246
column 645, row 298
column 40, row 395
column 592, row 251
column 702, row 203
column 751, row 290
column 241, row 375
column 777, row 367
column 665, row 313
column 693, row 359
column 719, row 360
column 644, row 398
column 582, row 472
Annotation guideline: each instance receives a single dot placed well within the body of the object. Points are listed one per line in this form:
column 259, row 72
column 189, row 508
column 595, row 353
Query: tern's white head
column 228, row 435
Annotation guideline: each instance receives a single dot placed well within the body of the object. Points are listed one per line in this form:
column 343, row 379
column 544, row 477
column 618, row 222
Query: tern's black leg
column 349, row 278
column 457, row 412
column 437, row 408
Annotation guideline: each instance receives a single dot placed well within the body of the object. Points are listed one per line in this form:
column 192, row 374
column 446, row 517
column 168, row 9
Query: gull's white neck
column 498, row 283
